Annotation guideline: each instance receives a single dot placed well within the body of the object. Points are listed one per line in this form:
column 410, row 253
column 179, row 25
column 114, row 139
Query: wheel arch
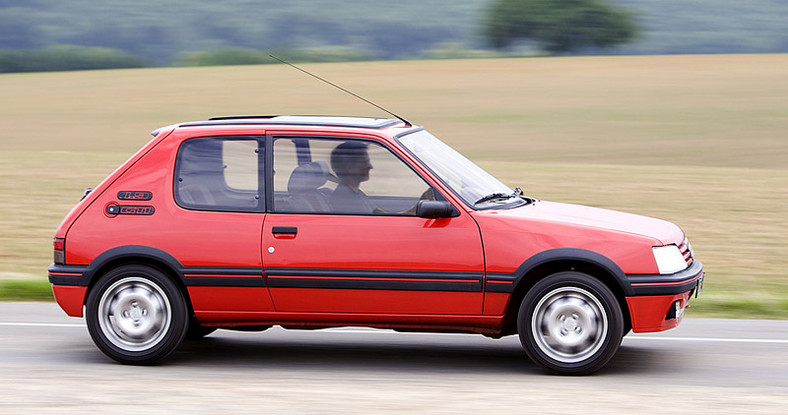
column 552, row 261
column 137, row 254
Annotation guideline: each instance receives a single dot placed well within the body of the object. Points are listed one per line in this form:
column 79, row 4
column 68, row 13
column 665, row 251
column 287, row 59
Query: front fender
column 506, row 282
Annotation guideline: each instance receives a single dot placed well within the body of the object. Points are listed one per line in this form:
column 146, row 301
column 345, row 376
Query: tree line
column 184, row 32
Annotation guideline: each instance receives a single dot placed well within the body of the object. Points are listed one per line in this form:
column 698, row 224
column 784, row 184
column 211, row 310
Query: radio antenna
column 344, row 90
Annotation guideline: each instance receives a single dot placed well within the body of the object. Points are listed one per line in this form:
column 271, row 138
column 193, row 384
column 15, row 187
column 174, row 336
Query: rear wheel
column 570, row 323
column 136, row 314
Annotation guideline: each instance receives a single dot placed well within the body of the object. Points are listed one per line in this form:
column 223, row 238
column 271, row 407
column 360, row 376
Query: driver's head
column 350, row 162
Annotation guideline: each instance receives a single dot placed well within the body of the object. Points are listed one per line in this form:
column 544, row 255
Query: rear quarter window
column 220, row 173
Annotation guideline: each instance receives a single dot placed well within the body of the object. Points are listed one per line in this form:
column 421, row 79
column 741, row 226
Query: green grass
column 698, row 140
column 25, row 290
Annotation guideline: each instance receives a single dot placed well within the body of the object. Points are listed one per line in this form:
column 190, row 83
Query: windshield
column 473, row 185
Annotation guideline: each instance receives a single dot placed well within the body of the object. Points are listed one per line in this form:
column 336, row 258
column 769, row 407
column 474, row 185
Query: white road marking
column 710, row 339
column 361, row 330
column 3, row 323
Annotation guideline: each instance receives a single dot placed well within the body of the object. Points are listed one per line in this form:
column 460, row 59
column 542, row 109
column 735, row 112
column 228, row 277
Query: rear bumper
column 70, row 298
column 72, row 275
column 660, row 300
column 69, row 286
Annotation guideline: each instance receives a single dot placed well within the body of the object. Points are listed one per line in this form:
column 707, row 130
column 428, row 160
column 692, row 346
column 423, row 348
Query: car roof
column 311, row 120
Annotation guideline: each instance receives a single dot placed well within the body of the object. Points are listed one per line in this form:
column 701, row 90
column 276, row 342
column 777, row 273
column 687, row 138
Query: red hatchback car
column 310, row 222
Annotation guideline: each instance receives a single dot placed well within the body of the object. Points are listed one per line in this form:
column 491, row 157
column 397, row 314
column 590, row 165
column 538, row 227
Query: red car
column 310, row 222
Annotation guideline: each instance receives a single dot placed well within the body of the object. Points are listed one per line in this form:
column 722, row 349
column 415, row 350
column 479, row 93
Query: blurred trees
column 243, row 56
column 229, row 32
column 160, row 31
column 558, row 26
column 66, row 58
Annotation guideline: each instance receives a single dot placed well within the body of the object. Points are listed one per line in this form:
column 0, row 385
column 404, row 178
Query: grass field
column 698, row 140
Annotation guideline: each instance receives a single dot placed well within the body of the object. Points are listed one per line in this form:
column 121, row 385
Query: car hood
column 585, row 216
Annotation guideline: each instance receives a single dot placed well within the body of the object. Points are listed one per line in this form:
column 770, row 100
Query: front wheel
column 136, row 314
column 570, row 323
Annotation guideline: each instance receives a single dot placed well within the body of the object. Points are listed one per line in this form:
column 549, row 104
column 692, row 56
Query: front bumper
column 682, row 281
column 659, row 301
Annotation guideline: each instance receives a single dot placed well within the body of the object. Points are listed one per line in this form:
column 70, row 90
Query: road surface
column 48, row 364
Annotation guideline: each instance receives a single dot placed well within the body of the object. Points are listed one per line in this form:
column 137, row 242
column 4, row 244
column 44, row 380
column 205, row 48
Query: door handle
column 284, row 230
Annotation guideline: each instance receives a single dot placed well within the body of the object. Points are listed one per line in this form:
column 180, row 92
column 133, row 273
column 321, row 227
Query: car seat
column 304, row 187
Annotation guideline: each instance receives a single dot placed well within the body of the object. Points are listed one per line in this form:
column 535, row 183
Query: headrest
column 308, row 176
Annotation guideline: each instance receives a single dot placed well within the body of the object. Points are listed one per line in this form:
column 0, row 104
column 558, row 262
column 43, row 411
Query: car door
column 342, row 236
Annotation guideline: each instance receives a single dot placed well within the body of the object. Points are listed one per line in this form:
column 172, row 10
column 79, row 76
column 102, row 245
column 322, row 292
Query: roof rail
column 240, row 117
column 315, row 120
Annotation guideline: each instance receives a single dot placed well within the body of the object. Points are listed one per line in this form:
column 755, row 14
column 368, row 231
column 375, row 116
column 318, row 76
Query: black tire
column 570, row 323
column 136, row 314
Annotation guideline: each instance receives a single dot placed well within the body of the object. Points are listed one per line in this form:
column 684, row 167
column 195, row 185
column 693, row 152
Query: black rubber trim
column 77, row 279
column 680, row 282
column 230, row 277
column 389, row 280
column 222, row 271
column 500, row 283
column 558, row 255
column 131, row 251
column 224, row 282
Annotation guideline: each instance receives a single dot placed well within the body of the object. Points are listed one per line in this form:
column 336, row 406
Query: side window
column 220, row 173
column 344, row 177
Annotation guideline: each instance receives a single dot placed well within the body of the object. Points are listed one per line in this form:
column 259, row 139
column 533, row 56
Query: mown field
column 698, row 140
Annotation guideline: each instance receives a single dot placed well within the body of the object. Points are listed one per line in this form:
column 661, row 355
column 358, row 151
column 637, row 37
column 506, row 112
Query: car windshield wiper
column 517, row 193
column 495, row 196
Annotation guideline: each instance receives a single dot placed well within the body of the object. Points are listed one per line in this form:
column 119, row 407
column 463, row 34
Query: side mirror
column 434, row 209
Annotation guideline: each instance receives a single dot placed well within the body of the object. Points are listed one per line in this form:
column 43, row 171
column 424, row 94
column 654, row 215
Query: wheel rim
column 569, row 324
column 134, row 314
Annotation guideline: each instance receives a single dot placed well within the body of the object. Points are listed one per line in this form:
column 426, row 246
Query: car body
column 314, row 221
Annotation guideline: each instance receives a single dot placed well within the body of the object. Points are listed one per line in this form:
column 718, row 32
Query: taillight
column 60, row 250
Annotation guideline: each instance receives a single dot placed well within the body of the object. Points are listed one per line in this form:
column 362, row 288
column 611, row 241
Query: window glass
column 240, row 164
column 219, row 174
column 475, row 186
column 343, row 176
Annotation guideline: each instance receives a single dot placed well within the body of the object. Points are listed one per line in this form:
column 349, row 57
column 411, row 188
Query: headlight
column 669, row 259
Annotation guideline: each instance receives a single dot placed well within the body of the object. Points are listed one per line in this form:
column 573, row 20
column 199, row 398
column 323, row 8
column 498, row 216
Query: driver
column 350, row 162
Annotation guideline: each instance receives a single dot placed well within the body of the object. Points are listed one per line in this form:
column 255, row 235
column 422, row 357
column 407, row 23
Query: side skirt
column 487, row 325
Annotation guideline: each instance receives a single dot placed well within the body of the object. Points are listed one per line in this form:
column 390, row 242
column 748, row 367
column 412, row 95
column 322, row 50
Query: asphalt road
column 48, row 364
